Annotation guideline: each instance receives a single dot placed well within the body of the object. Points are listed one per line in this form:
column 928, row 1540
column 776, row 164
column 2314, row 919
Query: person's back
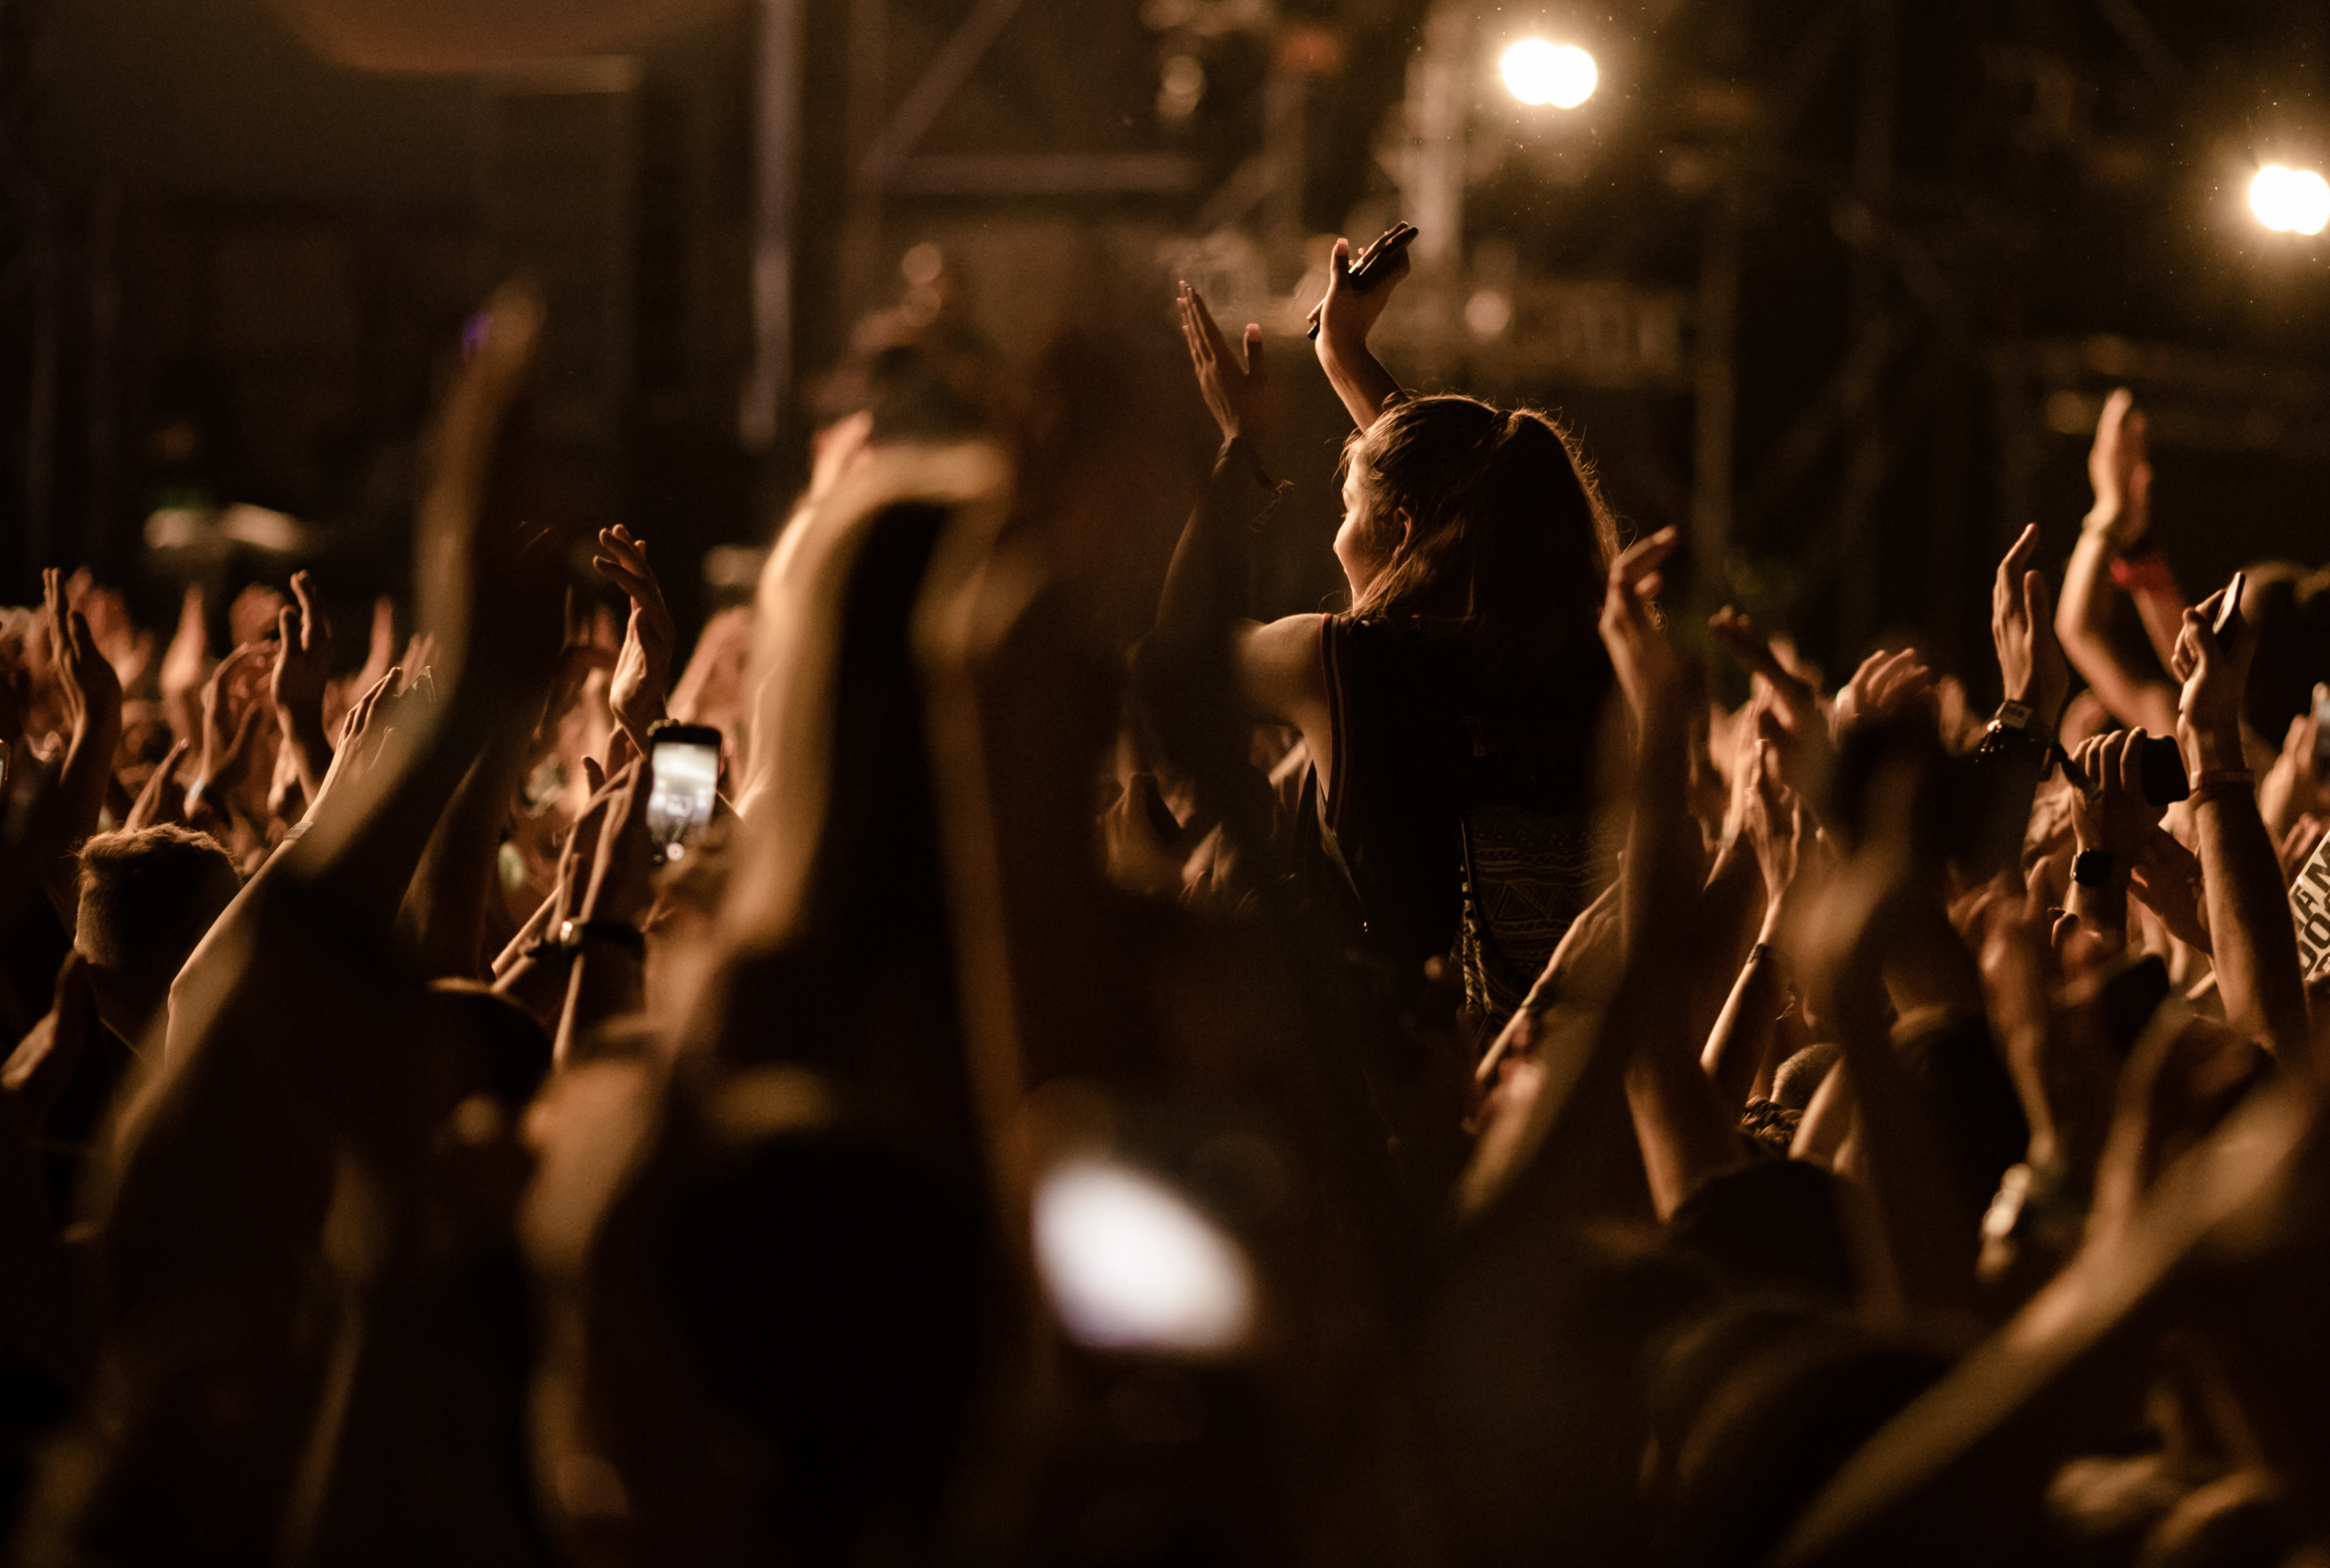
column 1461, row 806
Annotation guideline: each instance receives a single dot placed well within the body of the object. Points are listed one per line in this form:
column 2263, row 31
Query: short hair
column 147, row 895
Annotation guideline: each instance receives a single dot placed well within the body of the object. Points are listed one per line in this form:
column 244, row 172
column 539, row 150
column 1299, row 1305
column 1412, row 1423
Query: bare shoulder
column 1279, row 666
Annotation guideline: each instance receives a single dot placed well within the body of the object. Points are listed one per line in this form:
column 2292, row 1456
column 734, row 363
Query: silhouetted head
column 1458, row 510
column 147, row 896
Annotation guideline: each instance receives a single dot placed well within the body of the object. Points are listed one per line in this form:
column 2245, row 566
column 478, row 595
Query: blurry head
column 1457, row 509
column 147, row 897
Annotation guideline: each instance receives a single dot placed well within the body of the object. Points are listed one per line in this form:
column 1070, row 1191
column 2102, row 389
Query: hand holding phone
column 1373, row 265
column 685, row 762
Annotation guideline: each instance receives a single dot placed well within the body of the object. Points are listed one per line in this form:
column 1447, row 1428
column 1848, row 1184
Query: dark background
column 233, row 271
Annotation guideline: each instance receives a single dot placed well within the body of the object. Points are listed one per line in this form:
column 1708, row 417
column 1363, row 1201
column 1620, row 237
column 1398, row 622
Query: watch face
column 2016, row 715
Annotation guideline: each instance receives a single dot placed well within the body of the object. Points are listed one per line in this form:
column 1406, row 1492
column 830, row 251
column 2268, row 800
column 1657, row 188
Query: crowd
column 1415, row 1084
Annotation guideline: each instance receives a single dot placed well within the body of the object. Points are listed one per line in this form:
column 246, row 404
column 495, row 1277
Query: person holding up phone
column 1452, row 713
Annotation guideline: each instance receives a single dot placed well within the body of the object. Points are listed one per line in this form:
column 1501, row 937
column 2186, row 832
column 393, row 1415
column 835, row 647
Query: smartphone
column 2161, row 768
column 1375, row 262
column 2232, row 605
column 2321, row 728
column 686, row 761
column 1372, row 265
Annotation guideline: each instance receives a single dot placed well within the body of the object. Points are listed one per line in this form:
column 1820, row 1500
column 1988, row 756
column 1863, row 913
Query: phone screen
column 679, row 806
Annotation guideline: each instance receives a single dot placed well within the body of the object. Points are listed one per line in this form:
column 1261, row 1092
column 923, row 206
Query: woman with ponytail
column 1452, row 714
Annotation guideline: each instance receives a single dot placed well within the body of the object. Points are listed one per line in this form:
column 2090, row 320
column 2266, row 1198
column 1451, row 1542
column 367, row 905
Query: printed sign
column 2309, row 911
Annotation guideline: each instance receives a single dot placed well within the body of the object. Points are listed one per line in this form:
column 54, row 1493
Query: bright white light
column 1129, row 1265
column 1560, row 74
column 2294, row 200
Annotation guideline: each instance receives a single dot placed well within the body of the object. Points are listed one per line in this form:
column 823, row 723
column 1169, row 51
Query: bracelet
column 2216, row 782
column 2148, row 569
column 573, row 934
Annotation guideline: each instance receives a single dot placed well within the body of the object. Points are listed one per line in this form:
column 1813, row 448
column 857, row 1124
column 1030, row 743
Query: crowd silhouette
column 1416, row 1084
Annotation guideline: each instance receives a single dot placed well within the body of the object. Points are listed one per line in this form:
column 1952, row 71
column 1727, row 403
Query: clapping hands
column 1235, row 382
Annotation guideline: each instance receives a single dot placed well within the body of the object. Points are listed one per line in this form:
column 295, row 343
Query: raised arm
column 303, row 668
column 642, row 678
column 2121, row 476
column 1684, row 1133
column 1345, row 317
column 91, row 695
column 2250, row 932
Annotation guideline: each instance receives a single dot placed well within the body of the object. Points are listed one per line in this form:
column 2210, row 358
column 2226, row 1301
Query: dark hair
column 148, row 895
column 1510, row 534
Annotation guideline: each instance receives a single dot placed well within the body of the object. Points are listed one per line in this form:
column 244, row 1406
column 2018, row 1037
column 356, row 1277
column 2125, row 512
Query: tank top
column 1460, row 820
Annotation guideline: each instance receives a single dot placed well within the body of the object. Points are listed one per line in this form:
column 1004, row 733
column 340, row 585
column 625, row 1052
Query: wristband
column 573, row 934
column 2148, row 571
column 2216, row 782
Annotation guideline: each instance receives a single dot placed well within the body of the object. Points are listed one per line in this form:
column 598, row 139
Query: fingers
column 313, row 632
column 592, row 775
column 1216, row 346
column 2114, row 416
column 1253, row 349
column 2131, row 765
column 2018, row 556
column 619, row 752
column 2038, row 597
column 1641, row 560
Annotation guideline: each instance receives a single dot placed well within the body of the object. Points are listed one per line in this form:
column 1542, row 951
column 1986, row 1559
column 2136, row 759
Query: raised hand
column 160, row 799
column 88, row 689
column 643, row 677
column 1788, row 711
column 2214, row 664
column 2120, row 471
column 1649, row 671
column 231, row 710
column 1235, row 382
column 1885, row 687
column 185, row 665
column 2111, row 813
column 1344, row 315
column 2031, row 663
column 1775, row 825
column 303, row 669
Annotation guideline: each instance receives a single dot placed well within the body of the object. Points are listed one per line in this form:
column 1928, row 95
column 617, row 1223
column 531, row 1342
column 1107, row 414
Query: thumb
column 1254, row 348
column 1343, row 262
column 593, row 775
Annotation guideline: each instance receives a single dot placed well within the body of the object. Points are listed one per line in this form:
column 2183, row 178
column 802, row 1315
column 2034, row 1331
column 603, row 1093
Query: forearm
column 607, row 982
column 1206, row 585
column 311, row 749
column 71, row 815
column 1359, row 378
column 445, row 906
column 1683, row 1132
column 2083, row 624
column 1743, row 1032
column 2252, row 940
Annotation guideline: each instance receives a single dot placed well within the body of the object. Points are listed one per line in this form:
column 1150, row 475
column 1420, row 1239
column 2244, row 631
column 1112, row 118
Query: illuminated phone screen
column 679, row 806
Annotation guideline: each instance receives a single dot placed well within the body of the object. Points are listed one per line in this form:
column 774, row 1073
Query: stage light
column 1560, row 74
column 2293, row 201
column 1130, row 1264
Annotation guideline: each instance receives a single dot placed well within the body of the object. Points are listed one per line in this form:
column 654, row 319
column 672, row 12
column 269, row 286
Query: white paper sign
column 2309, row 911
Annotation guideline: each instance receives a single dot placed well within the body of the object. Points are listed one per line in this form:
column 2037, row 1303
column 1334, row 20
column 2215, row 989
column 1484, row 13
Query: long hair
column 1511, row 535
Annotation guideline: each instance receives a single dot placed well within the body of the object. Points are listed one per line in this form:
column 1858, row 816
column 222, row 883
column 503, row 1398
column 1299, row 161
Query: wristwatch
column 2017, row 724
column 572, row 936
